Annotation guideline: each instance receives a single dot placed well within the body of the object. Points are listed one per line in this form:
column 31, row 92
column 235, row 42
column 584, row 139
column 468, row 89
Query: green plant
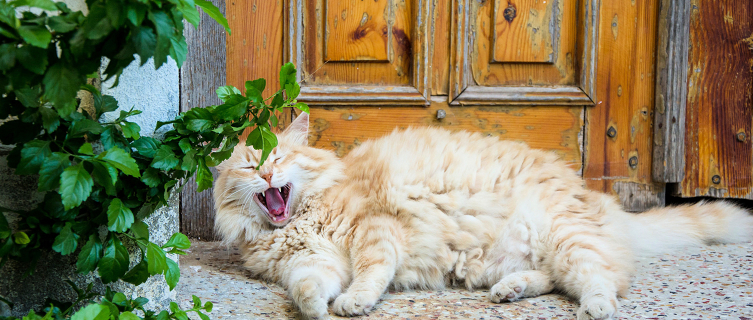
column 106, row 174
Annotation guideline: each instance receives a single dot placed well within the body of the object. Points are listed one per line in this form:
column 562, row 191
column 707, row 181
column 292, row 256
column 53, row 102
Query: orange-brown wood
column 551, row 128
column 254, row 48
column 396, row 38
column 356, row 30
column 719, row 116
column 440, row 47
column 522, row 31
column 494, row 54
column 625, row 101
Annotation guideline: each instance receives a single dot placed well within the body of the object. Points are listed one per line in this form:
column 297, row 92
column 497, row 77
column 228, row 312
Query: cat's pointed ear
column 298, row 131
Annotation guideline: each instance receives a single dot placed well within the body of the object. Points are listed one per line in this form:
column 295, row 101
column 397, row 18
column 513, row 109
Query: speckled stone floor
column 713, row 282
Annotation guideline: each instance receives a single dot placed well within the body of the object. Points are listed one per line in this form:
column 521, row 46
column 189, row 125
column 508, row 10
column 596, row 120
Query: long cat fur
column 426, row 207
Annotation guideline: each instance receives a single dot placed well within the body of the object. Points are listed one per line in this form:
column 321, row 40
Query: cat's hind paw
column 353, row 304
column 597, row 308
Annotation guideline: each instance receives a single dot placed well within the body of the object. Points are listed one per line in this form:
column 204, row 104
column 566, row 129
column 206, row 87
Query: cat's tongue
column 275, row 203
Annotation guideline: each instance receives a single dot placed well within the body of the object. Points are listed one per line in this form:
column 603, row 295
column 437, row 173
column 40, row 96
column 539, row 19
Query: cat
column 424, row 208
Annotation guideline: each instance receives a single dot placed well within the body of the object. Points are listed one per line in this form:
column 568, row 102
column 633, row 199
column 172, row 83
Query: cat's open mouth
column 275, row 202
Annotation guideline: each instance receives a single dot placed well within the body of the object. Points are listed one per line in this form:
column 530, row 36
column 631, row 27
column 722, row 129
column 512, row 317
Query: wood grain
column 625, row 102
column 553, row 95
column 552, row 128
column 720, row 100
column 201, row 74
column 522, row 30
column 439, row 48
column 671, row 91
column 356, row 30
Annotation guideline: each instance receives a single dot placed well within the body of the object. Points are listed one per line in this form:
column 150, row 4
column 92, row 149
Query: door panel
column 360, row 52
column 533, row 48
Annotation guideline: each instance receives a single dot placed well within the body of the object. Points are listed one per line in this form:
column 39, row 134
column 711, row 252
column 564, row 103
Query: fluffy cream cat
column 425, row 208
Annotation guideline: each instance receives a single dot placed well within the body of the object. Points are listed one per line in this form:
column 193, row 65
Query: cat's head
column 249, row 201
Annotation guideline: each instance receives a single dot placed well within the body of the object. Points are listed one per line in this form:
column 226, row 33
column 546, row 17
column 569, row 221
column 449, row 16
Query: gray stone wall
column 156, row 94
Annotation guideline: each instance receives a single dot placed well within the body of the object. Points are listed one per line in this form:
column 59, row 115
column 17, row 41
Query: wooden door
column 574, row 77
column 706, row 87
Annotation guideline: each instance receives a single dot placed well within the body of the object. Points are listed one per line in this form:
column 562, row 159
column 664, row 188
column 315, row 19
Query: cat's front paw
column 308, row 296
column 508, row 289
column 597, row 308
column 353, row 304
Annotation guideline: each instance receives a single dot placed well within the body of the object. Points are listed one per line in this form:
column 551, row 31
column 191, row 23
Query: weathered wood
column 201, row 74
column 476, row 61
column 406, row 37
column 356, row 30
column 440, row 47
column 552, row 128
column 548, row 96
column 619, row 160
column 371, row 95
column 671, row 91
column 523, row 31
column 719, row 116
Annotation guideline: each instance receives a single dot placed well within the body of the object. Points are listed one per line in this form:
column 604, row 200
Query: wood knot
column 633, row 162
column 716, row 179
column 510, row 12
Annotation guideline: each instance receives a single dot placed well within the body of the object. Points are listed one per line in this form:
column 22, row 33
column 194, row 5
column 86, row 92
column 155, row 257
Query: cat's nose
column 267, row 177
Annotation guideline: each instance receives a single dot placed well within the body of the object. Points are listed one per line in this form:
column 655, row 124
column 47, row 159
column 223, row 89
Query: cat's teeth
column 279, row 189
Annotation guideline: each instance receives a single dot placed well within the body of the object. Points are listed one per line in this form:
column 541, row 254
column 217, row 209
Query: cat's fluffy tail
column 663, row 230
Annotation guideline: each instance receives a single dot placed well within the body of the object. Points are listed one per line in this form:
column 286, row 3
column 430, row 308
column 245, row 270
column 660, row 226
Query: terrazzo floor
column 713, row 282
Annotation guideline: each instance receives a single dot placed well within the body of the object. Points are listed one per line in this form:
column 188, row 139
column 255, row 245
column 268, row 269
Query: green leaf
column 37, row 36
column 66, row 242
column 172, row 273
column 164, row 159
column 287, row 74
column 7, row 56
column 190, row 13
column 51, row 169
column 178, row 50
column 122, row 160
column 203, row 316
column 75, row 186
column 199, row 125
column 119, row 217
column 140, row 230
column 292, row 90
column 213, row 13
column 128, row 316
column 185, row 145
column 302, row 106
column 277, row 101
column 92, row 312
column 138, row 274
column 21, row 237
column 61, row 24
column 33, row 155
column 61, row 82
column 189, row 161
column 226, row 92
column 115, row 14
column 136, row 13
column 164, row 26
column 89, row 255
column 146, row 146
column 114, row 262
column 156, row 258
column 84, row 126
column 86, row 149
column 4, row 228
column 204, row 177
column 131, row 130
column 50, row 119
column 196, row 302
column 208, row 306
column 232, row 109
column 109, row 104
column 48, row 5
column 105, row 175
column 178, row 240
column 144, row 40
column 262, row 139
column 32, row 58
column 259, row 84
column 151, row 177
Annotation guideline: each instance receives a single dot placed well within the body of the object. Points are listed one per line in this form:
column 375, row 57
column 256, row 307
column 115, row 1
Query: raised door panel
column 523, row 52
column 357, row 52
